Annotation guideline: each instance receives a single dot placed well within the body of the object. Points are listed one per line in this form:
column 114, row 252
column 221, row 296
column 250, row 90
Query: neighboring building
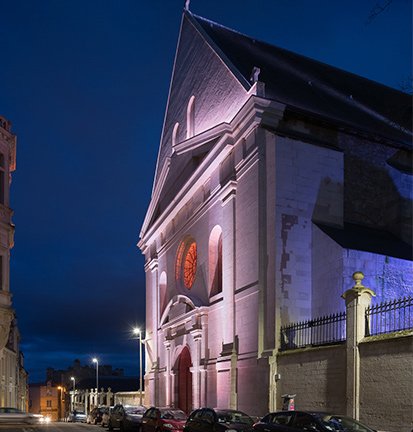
column 80, row 393
column 13, row 377
column 277, row 178
column 46, row 400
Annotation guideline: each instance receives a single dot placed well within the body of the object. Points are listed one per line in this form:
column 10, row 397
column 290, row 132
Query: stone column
column 357, row 299
column 196, row 334
column 168, row 398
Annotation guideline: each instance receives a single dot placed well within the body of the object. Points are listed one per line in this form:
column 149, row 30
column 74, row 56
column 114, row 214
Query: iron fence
column 325, row 330
column 390, row 316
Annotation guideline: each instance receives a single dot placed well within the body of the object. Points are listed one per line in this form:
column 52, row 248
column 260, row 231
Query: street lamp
column 95, row 360
column 137, row 331
column 60, row 410
column 74, row 392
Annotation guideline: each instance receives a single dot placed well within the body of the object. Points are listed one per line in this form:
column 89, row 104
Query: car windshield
column 135, row 409
column 234, row 417
column 337, row 423
column 173, row 414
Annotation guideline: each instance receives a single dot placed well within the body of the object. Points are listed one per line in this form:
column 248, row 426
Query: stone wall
column 386, row 374
column 316, row 376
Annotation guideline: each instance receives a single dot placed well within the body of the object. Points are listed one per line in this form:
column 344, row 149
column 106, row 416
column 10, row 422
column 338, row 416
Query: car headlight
column 168, row 425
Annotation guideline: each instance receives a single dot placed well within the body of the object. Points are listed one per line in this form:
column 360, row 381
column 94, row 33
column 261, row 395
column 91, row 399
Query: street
column 52, row 427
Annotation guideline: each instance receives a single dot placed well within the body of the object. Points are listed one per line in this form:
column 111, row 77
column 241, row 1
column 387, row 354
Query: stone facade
column 13, row 378
column 257, row 219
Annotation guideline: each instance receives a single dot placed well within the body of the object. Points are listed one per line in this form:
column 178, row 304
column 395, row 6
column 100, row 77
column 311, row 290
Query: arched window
column 162, row 292
column 175, row 135
column 215, row 261
column 186, row 263
column 190, row 118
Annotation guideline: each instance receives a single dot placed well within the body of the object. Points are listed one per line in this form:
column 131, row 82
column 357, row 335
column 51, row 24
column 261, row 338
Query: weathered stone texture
column 386, row 374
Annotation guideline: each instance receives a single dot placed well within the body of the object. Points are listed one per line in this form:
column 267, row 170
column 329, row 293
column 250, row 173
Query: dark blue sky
column 85, row 84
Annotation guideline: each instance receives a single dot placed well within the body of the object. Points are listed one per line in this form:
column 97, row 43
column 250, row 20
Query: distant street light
column 74, row 392
column 95, row 360
column 137, row 331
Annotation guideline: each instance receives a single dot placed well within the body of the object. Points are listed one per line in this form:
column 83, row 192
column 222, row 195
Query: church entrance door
column 185, row 381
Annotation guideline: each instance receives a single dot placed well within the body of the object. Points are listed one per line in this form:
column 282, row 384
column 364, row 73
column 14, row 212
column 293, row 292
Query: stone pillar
column 228, row 260
column 357, row 299
column 196, row 334
column 227, row 363
column 168, row 396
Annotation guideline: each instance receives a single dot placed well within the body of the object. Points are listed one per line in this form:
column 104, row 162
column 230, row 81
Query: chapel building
column 277, row 178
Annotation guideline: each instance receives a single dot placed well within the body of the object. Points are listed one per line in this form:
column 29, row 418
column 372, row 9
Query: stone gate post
column 357, row 299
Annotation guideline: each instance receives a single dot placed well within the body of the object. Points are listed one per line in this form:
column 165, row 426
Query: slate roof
column 362, row 238
column 313, row 87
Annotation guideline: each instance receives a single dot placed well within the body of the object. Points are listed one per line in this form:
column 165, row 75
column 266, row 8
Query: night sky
column 85, row 84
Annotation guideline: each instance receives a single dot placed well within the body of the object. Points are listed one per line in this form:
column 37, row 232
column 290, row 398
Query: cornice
column 255, row 112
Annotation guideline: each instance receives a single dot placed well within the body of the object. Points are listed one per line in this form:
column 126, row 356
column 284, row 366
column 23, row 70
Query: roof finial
column 255, row 74
column 187, row 4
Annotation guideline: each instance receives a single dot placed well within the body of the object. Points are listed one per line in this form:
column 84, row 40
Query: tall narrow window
column 190, row 118
column 2, row 178
column 175, row 135
column 1, row 273
column 162, row 292
column 215, row 261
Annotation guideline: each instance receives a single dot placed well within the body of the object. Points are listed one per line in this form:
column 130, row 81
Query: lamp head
column 95, row 360
column 72, row 378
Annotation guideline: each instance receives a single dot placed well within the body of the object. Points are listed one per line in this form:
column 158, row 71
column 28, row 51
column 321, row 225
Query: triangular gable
column 201, row 71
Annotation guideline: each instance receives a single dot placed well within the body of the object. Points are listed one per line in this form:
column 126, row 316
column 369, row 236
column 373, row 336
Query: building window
column 186, row 262
column 162, row 291
column 49, row 403
column 175, row 135
column 190, row 118
column 2, row 178
column 215, row 261
column 1, row 273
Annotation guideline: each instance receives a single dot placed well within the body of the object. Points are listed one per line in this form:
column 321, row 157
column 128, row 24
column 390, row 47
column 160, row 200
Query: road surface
column 52, row 427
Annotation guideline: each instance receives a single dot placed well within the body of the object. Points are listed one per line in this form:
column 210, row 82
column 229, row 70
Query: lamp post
column 95, row 360
column 137, row 331
column 61, row 414
column 74, row 392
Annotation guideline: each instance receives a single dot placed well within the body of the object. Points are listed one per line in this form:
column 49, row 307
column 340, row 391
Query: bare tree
column 377, row 9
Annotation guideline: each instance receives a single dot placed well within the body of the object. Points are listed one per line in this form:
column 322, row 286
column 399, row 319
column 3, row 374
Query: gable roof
column 316, row 88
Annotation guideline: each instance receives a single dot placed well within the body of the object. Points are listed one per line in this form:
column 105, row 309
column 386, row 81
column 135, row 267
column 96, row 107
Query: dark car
column 95, row 416
column 218, row 420
column 298, row 421
column 163, row 419
column 126, row 417
column 77, row 416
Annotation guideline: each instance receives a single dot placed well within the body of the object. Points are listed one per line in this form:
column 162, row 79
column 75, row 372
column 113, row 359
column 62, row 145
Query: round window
column 186, row 261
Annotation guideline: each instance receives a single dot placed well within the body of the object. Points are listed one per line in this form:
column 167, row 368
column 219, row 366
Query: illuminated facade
column 13, row 378
column 277, row 178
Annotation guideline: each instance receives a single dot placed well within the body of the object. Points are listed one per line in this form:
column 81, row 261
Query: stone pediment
column 177, row 307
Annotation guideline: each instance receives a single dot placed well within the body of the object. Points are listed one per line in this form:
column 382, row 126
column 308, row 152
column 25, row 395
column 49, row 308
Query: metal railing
column 325, row 330
column 390, row 316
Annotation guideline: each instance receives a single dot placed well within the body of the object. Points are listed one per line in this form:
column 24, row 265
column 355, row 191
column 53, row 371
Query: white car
column 14, row 415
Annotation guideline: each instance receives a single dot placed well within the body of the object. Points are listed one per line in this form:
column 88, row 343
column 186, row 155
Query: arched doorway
column 184, row 381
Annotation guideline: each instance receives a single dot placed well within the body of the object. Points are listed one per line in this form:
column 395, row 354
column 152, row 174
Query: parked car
column 106, row 416
column 126, row 417
column 95, row 416
column 77, row 416
column 298, row 421
column 163, row 419
column 14, row 415
column 218, row 420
